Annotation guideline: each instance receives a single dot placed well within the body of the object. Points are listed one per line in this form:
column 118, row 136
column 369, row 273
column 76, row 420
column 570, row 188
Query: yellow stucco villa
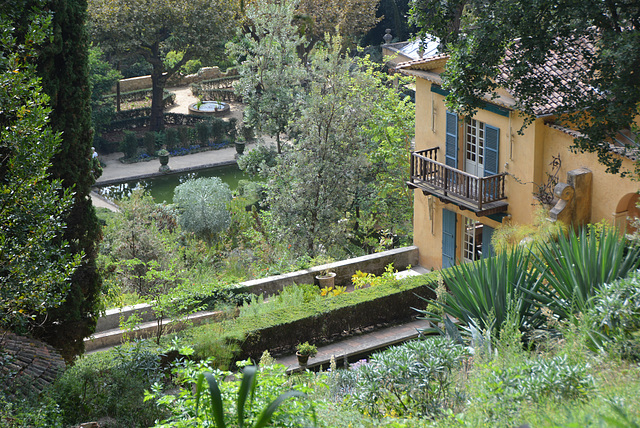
column 471, row 176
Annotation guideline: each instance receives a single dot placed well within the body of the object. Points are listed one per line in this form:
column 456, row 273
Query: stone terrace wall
column 144, row 82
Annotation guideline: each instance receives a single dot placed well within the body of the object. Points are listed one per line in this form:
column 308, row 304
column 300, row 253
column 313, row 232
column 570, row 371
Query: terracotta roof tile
column 31, row 365
column 562, row 72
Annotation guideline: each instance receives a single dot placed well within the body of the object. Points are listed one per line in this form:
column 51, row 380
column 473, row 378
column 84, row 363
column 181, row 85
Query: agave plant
column 575, row 266
column 483, row 295
column 246, row 392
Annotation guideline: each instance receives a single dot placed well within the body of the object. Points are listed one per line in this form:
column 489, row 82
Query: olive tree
column 203, row 206
column 317, row 179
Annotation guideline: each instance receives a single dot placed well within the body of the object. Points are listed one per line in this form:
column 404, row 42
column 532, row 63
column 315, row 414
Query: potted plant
column 304, row 351
column 163, row 155
column 326, row 278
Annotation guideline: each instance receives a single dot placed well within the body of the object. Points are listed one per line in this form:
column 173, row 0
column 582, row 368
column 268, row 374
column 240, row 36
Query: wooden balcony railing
column 479, row 194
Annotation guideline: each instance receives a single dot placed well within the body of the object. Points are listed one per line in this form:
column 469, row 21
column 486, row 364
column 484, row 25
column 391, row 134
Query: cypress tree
column 63, row 67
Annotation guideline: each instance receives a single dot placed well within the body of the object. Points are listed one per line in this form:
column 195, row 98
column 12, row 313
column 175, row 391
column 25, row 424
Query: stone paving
column 356, row 347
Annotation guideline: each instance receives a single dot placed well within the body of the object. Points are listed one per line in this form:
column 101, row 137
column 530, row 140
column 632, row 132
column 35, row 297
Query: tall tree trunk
column 158, row 81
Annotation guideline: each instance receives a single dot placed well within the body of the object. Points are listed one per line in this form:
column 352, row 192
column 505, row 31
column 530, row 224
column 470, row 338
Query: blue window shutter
column 451, row 143
column 487, row 245
column 491, row 146
column 448, row 238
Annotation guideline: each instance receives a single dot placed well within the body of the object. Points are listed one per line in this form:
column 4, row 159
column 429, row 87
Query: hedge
column 281, row 330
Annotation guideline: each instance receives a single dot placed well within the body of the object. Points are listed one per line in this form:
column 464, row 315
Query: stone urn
column 163, row 156
column 240, row 147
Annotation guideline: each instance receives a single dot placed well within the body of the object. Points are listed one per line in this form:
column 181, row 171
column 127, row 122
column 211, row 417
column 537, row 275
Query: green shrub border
column 281, row 330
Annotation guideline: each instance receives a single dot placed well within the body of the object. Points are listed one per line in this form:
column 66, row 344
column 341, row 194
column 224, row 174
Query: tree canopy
column 153, row 28
column 324, row 186
column 348, row 19
column 271, row 74
column 600, row 42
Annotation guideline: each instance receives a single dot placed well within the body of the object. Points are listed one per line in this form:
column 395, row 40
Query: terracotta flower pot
column 327, row 280
column 302, row 359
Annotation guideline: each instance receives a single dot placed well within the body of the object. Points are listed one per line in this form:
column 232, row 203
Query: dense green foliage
column 431, row 382
column 534, row 289
column 102, row 78
column 600, row 39
column 412, row 379
column 271, row 74
column 63, row 67
column 258, row 162
column 111, row 385
column 578, row 264
column 322, row 193
column 485, row 295
column 35, row 264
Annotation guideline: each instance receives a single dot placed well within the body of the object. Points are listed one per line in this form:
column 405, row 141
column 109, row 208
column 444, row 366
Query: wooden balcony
column 482, row 195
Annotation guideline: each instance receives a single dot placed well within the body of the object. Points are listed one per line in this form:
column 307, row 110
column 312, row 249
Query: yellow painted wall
column 525, row 157
column 608, row 189
column 516, row 156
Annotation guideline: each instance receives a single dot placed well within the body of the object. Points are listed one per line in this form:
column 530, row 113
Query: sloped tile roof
column 624, row 143
column 560, row 73
column 563, row 72
column 425, row 63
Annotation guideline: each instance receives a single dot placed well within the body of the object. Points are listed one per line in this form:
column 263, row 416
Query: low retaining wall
column 144, row 82
column 344, row 269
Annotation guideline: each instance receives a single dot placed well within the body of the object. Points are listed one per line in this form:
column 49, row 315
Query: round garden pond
column 209, row 108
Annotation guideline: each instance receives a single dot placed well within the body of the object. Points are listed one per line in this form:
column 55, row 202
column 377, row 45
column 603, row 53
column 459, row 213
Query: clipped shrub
column 149, row 141
column 129, row 145
column 217, row 128
column 172, row 138
column 204, row 132
column 183, row 136
column 281, row 326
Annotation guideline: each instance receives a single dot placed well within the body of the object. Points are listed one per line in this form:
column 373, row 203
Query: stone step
column 356, row 346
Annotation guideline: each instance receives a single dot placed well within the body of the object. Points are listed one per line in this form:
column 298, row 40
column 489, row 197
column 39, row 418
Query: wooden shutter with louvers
column 448, row 238
column 451, row 142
